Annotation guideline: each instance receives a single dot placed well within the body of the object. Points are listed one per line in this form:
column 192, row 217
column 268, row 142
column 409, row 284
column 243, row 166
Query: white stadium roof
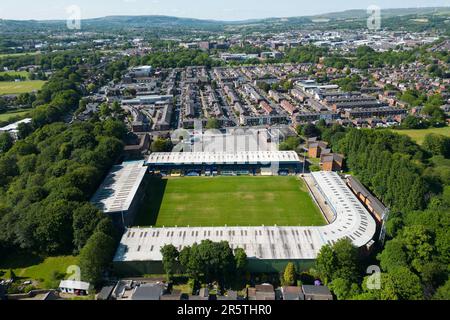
column 352, row 220
column 117, row 191
column 246, row 157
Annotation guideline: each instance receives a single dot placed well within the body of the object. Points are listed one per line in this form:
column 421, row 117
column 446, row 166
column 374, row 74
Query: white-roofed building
column 13, row 128
column 221, row 162
column 117, row 195
column 75, row 287
column 268, row 248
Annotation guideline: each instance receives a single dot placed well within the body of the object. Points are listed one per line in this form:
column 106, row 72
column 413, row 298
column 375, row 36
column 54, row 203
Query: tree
column 212, row 123
column 443, row 292
column 85, row 221
column 326, row 263
column 343, row 289
column 114, row 128
column 393, row 255
column 310, row 131
column 169, row 258
column 289, row 275
column 213, row 260
column 6, row 142
column 95, row 257
column 347, row 258
column 412, row 122
column 291, row 143
column 161, row 145
column 417, row 240
column 53, row 232
column 338, row 261
column 190, row 261
column 437, row 144
column 241, row 260
column 406, row 284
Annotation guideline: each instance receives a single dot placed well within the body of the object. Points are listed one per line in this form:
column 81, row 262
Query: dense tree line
column 414, row 182
column 179, row 59
column 50, row 60
column 11, row 77
column 386, row 163
column 47, row 180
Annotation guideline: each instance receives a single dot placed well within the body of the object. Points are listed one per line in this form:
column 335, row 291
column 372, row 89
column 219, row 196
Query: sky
column 202, row 9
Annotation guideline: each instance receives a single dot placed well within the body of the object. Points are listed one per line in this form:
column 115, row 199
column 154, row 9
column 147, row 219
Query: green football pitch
column 231, row 201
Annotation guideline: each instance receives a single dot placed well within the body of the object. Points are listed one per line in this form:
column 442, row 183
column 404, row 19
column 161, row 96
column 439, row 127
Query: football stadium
column 258, row 201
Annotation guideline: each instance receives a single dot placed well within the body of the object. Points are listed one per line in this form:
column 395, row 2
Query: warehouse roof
column 352, row 220
column 117, row 191
column 181, row 158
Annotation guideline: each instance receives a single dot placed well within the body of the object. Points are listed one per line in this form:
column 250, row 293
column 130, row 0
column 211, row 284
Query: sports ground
column 20, row 87
column 231, row 201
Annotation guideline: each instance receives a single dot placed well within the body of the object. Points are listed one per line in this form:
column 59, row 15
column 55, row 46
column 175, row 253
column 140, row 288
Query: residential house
column 331, row 162
column 75, row 287
column 316, row 292
column 148, row 291
column 292, row 293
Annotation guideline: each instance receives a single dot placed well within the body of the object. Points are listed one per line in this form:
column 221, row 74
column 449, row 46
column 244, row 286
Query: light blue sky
column 203, row 9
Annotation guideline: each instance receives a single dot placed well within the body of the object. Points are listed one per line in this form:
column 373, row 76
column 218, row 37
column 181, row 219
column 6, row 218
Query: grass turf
column 10, row 87
column 18, row 113
column 15, row 55
column 419, row 134
column 231, row 201
column 30, row 267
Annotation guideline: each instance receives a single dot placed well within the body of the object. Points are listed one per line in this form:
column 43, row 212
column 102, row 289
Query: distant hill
column 387, row 13
column 159, row 21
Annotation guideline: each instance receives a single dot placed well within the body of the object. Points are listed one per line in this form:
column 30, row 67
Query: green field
column 231, row 201
column 29, row 267
column 14, row 55
column 20, row 87
column 419, row 134
column 8, row 115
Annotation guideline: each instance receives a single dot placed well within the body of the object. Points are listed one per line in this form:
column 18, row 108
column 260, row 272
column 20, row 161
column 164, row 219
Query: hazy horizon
column 230, row 10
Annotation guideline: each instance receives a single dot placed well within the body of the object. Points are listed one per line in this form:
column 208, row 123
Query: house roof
column 376, row 204
column 76, row 285
column 330, row 157
column 148, row 291
column 292, row 293
column 316, row 290
column 105, row 293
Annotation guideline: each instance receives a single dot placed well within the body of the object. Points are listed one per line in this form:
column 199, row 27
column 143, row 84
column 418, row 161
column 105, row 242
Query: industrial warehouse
column 268, row 247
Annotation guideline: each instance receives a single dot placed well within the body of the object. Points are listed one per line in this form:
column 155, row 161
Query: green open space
column 12, row 87
column 418, row 135
column 231, row 201
column 14, row 55
column 45, row 273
